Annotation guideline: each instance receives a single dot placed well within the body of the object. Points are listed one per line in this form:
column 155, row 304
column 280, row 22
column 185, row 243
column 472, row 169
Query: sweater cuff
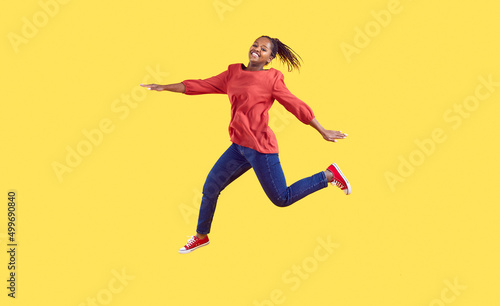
column 187, row 92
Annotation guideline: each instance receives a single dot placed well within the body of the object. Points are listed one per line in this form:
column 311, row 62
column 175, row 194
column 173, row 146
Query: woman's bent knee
column 280, row 202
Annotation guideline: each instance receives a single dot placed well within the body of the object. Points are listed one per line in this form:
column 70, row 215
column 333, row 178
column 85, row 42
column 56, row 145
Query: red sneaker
column 339, row 179
column 194, row 243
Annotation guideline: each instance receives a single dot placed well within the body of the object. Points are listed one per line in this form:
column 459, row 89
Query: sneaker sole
column 348, row 190
column 190, row 250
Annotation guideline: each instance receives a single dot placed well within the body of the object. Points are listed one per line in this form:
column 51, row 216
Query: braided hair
column 286, row 54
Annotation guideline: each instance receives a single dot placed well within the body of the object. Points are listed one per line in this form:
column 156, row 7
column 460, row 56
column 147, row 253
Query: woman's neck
column 251, row 67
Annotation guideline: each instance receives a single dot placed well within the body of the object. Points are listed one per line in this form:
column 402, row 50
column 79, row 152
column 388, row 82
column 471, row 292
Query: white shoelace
column 191, row 241
column 338, row 183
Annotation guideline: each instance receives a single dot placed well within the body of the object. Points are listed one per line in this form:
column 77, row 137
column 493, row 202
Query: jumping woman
column 252, row 90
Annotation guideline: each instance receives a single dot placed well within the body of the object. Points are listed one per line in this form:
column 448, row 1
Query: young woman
column 252, row 90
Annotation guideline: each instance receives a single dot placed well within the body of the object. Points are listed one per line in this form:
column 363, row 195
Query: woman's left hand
column 332, row 136
column 328, row 135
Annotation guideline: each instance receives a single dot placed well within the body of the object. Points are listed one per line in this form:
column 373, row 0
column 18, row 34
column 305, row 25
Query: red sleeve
column 293, row 104
column 214, row 85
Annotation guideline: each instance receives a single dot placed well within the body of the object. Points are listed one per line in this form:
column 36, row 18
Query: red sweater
column 252, row 94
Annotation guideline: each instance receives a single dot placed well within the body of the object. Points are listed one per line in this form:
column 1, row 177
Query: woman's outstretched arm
column 328, row 135
column 177, row 87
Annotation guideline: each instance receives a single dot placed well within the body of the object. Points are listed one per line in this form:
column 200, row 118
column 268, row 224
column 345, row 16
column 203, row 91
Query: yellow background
column 130, row 204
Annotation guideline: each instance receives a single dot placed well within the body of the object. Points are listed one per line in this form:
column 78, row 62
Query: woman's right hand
column 153, row 87
column 177, row 87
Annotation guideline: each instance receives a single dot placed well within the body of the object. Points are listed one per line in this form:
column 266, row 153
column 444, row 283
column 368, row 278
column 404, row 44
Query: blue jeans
column 236, row 161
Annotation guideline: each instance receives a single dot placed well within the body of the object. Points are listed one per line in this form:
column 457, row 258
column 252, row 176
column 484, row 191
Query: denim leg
column 229, row 167
column 268, row 169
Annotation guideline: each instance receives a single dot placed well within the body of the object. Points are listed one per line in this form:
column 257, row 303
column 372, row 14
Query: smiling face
column 260, row 52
